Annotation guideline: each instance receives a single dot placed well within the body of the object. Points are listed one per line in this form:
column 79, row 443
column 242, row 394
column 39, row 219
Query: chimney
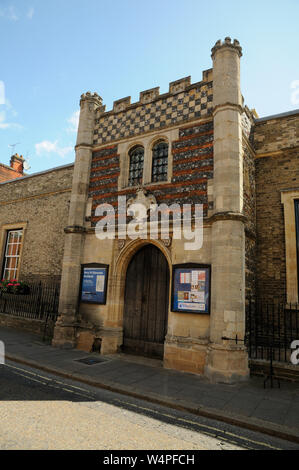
column 17, row 163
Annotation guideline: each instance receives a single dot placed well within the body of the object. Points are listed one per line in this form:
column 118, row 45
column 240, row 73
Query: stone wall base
column 64, row 336
column 107, row 340
column 31, row 325
column 226, row 364
column 111, row 339
column 281, row 370
column 185, row 354
column 85, row 341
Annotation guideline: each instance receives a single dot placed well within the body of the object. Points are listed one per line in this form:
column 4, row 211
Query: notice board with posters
column 191, row 288
column 94, row 278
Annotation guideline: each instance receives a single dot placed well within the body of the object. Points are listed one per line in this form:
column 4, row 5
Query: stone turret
column 65, row 330
column 227, row 360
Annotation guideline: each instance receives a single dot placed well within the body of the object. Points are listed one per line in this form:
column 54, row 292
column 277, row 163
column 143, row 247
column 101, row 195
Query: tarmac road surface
column 43, row 411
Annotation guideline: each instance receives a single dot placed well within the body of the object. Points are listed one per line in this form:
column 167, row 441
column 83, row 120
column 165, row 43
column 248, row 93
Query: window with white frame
column 12, row 254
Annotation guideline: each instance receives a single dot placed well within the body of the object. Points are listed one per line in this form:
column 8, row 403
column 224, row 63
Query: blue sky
column 53, row 51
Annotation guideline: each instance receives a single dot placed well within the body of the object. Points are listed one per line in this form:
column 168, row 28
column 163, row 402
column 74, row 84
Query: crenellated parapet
column 122, row 104
column 227, row 43
column 149, row 95
column 183, row 102
column 93, row 97
column 179, row 85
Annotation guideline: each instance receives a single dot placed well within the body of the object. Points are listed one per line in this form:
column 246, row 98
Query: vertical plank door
column 146, row 303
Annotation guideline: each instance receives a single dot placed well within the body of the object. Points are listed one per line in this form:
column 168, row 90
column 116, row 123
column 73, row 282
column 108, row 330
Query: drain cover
column 90, row 361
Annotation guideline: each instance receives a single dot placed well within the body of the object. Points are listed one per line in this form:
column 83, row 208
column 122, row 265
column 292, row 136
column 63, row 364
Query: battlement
column 153, row 94
column 227, row 43
column 183, row 102
column 88, row 96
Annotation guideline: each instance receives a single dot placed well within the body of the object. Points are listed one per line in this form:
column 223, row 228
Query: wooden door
column 146, row 303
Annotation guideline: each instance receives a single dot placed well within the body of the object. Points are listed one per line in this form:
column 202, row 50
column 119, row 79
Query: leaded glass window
column 136, row 166
column 12, row 254
column 160, row 161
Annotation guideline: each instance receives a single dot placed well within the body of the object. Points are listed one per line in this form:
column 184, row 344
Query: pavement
column 270, row 411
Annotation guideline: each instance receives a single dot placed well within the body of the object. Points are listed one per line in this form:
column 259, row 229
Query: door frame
column 118, row 280
column 146, row 340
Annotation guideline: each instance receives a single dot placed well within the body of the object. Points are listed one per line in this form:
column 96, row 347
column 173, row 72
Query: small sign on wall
column 191, row 288
column 94, row 280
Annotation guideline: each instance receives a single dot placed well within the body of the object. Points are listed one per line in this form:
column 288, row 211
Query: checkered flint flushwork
column 169, row 109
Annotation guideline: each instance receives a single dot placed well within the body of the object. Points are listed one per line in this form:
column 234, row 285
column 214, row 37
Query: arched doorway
column 146, row 303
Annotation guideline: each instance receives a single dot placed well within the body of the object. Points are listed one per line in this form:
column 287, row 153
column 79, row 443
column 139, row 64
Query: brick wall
column 7, row 173
column 192, row 164
column 275, row 134
column 41, row 200
column 104, row 173
column 249, row 209
column 192, row 157
column 274, row 172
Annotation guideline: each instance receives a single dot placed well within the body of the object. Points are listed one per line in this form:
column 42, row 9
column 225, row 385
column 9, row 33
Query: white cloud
column 9, row 13
column 73, row 121
column 6, row 108
column 12, row 14
column 2, row 92
column 30, row 13
column 3, row 124
column 52, row 147
column 7, row 125
column 10, row 108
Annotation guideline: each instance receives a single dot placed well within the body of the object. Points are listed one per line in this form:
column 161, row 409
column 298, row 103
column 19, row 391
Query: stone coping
column 21, row 178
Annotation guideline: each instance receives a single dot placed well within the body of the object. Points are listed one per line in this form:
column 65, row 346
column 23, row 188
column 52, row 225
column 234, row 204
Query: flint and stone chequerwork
column 219, row 155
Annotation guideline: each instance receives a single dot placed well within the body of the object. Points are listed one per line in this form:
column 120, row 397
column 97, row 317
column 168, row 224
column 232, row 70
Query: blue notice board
column 94, row 283
column 191, row 288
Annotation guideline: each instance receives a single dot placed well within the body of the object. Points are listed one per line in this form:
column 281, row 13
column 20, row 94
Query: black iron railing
column 270, row 329
column 41, row 302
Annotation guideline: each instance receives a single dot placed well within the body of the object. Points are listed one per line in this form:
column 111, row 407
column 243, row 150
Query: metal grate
column 90, row 361
column 271, row 327
column 40, row 302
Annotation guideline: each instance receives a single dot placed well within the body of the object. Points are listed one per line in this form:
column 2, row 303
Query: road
column 43, row 411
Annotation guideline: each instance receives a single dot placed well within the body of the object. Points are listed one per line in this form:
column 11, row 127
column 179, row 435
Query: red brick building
column 15, row 170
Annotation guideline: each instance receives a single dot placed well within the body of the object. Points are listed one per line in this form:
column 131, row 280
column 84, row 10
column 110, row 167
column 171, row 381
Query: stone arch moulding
column 118, row 280
column 157, row 138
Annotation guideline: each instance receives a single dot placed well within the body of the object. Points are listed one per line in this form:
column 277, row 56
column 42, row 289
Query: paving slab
column 273, row 411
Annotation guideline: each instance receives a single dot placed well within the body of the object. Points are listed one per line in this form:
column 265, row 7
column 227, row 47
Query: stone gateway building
column 197, row 150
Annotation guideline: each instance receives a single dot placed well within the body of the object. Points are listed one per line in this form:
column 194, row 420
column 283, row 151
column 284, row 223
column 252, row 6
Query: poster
column 94, row 284
column 191, row 289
